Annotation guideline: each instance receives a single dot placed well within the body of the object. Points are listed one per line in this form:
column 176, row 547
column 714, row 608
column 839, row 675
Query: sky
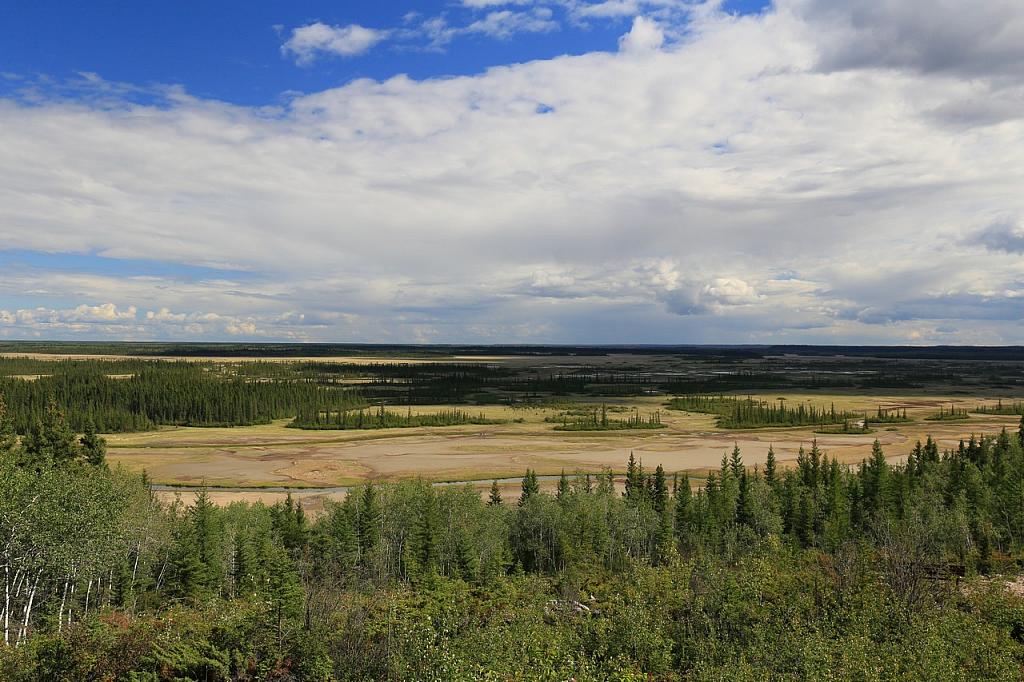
column 533, row 171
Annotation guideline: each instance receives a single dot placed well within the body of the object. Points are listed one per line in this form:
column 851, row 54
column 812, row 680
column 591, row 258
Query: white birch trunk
column 28, row 609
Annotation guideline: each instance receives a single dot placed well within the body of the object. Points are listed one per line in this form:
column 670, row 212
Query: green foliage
column 846, row 427
column 890, row 415
column 494, row 497
column 597, row 420
column 530, row 487
column 368, row 517
column 8, row 437
column 816, row 571
column 94, row 448
column 145, row 394
column 1016, row 407
column 746, row 413
column 344, row 418
column 954, row 413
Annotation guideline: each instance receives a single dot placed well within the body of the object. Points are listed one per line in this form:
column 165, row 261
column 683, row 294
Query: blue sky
column 634, row 171
column 231, row 51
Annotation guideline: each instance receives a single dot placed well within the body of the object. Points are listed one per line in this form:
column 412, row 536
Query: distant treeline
column 132, row 394
column 887, row 416
column 158, row 393
column 701, row 352
column 343, row 418
column 744, row 413
column 16, row 366
column 1014, row 408
column 598, row 420
column 954, row 413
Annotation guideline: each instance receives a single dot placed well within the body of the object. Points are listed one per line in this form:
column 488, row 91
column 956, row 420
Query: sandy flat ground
column 275, row 455
column 272, row 455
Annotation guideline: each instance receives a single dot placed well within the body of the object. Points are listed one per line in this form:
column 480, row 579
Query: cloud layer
column 496, row 19
column 719, row 179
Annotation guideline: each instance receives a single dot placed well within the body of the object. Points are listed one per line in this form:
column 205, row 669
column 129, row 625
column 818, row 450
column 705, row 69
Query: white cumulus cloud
column 646, row 35
column 306, row 43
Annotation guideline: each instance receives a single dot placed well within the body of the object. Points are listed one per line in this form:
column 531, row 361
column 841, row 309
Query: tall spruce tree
column 51, row 440
column 94, row 448
column 744, row 514
column 659, row 496
column 562, row 492
column 876, row 480
column 769, row 468
column 530, row 487
column 425, row 530
column 662, row 549
column 344, row 540
column 683, row 502
column 633, row 479
column 283, row 590
column 736, row 462
column 369, row 520
column 494, row 499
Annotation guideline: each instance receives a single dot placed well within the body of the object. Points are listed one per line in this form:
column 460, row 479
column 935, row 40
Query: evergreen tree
column 344, row 540
column 562, row 492
column 633, row 479
column 466, row 562
column 206, row 534
column 736, row 462
column 244, row 565
column 423, row 538
column 283, row 588
column 530, row 487
column 803, row 527
column 769, row 468
column 51, row 440
column 683, row 501
column 198, row 561
column 289, row 520
column 369, row 520
column 494, row 499
column 743, row 511
column 8, row 438
column 876, row 480
column 33, row 445
column 94, row 448
column 190, row 576
column 815, row 463
column 659, row 496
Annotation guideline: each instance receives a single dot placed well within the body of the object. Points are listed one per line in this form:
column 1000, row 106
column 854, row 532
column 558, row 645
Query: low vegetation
column 887, row 416
column 381, row 418
column 954, row 413
column 597, row 419
column 847, row 427
column 746, row 413
column 817, row 571
column 1014, row 408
